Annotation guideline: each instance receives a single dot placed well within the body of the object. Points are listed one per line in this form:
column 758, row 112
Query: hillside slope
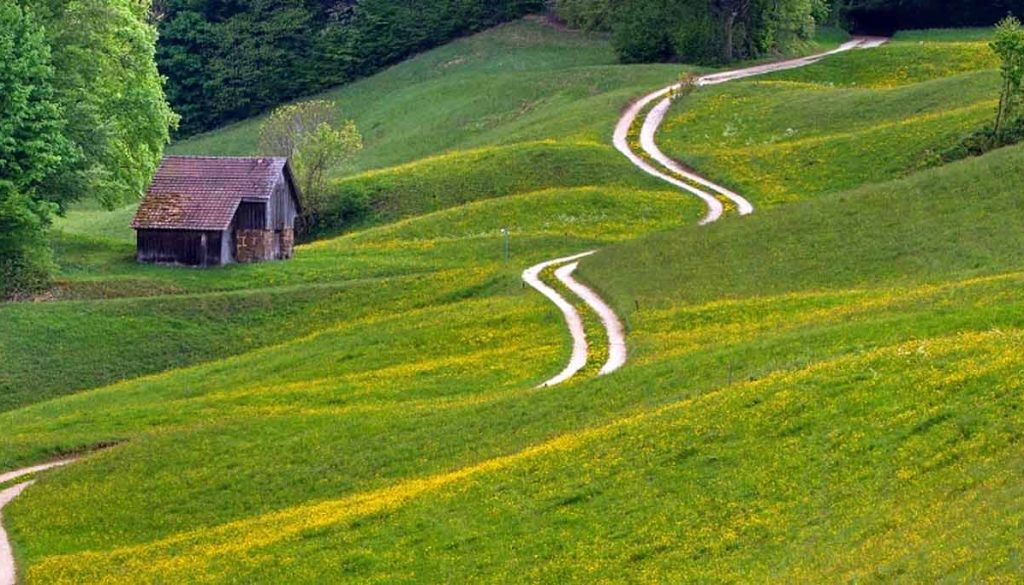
column 859, row 117
column 825, row 390
column 527, row 107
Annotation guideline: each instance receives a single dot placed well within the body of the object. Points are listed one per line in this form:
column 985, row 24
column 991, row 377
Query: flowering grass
column 827, row 390
column 855, row 118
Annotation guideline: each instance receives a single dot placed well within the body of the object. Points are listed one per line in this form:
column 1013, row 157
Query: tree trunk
column 730, row 24
column 1003, row 106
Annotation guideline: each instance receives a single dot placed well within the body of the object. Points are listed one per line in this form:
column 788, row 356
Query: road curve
column 621, row 141
column 7, row 569
column 614, row 330
column 670, row 171
column 578, row 358
column 612, row 324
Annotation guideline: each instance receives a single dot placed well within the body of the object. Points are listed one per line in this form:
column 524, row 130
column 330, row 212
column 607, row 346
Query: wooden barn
column 209, row 211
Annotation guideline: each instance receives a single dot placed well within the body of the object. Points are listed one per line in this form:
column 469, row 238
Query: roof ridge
column 212, row 157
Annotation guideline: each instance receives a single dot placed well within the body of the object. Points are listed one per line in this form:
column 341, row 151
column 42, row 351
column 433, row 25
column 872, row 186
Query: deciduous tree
column 1008, row 43
column 108, row 84
column 310, row 135
column 33, row 150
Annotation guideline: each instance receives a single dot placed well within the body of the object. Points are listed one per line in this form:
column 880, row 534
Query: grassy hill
column 826, row 390
column 859, row 117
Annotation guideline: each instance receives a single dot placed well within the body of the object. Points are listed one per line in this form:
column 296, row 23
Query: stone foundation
column 254, row 245
column 287, row 243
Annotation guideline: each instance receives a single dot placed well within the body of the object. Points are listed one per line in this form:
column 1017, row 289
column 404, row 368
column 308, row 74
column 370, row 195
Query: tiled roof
column 202, row 193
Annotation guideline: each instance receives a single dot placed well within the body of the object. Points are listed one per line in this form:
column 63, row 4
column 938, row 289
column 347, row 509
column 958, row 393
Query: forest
column 721, row 31
column 226, row 60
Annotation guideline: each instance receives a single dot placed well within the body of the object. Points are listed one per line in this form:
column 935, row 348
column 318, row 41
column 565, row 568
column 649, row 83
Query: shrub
column 984, row 140
column 26, row 261
column 308, row 134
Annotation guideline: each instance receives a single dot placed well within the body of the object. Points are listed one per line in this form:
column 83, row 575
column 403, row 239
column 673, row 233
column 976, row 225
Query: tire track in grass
column 612, row 324
column 564, row 268
column 672, row 172
column 669, row 171
column 578, row 357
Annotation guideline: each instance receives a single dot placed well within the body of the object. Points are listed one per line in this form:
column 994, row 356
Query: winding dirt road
column 580, row 347
column 653, row 161
column 7, row 569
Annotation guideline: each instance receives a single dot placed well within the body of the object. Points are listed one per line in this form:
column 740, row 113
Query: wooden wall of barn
column 191, row 248
column 282, row 210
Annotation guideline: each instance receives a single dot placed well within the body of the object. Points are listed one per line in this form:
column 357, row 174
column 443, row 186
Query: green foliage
column 588, row 15
column 229, row 61
column 308, row 134
column 26, row 262
column 1008, row 44
column 982, row 141
column 112, row 95
column 33, row 150
column 33, row 147
column 703, row 31
column 1008, row 128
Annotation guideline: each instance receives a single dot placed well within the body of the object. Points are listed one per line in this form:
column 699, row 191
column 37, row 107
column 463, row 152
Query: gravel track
column 612, row 324
column 578, row 358
column 668, row 170
column 671, row 171
column 7, row 568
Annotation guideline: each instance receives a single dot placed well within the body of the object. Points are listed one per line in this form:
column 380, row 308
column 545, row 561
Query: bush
column 984, row 140
column 310, row 136
column 589, row 15
column 26, row 260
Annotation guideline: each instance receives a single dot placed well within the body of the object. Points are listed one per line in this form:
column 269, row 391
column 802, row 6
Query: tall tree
column 729, row 13
column 112, row 94
column 33, row 150
column 1008, row 43
column 32, row 145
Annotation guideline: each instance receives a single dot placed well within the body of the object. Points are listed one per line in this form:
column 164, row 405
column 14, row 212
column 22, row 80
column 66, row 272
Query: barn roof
column 203, row 192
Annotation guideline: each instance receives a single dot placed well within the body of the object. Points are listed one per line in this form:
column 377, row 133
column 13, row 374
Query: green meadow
column 860, row 117
column 826, row 390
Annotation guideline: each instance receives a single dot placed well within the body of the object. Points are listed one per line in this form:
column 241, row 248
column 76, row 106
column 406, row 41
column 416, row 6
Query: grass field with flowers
column 827, row 390
column 855, row 118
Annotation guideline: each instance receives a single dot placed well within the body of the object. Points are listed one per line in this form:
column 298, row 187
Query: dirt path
column 612, row 324
column 578, row 358
column 671, row 171
column 7, row 569
column 614, row 330
column 663, row 167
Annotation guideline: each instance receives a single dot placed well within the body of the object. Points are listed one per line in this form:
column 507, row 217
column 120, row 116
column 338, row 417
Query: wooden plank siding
column 190, row 248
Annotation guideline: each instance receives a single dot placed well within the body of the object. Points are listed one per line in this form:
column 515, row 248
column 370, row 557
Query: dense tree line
column 710, row 31
column 82, row 114
column 226, row 60
column 886, row 16
column 696, row 30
